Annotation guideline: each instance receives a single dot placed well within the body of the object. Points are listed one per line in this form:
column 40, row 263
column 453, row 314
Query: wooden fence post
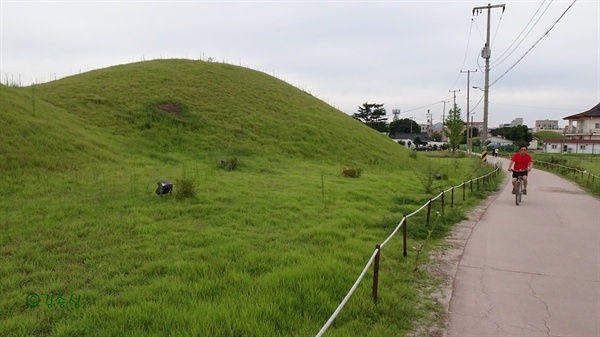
column 443, row 202
column 428, row 211
column 405, row 254
column 587, row 182
column 376, row 273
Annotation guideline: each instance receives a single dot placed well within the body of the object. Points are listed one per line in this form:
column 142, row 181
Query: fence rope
column 339, row 308
column 567, row 167
column 362, row 274
column 394, row 232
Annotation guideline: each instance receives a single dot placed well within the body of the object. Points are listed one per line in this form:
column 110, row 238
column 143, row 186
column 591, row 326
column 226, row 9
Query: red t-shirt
column 521, row 161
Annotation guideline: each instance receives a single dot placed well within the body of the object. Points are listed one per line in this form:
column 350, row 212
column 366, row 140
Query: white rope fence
column 377, row 250
column 575, row 170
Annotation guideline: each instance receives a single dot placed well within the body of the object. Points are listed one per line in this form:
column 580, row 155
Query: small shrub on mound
column 229, row 164
column 185, row 189
column 352, row 172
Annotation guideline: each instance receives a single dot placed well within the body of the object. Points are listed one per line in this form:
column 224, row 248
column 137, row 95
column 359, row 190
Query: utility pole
column 486, row 53
column 454, row 91
column 469, row 136
column 444, row 115
column 454, row 106
column 429, row 122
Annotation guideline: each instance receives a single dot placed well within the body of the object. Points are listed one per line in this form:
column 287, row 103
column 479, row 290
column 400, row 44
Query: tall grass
column 268, row 249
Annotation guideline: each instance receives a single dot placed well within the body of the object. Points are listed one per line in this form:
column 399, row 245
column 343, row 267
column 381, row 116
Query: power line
column 466, row 53
column 534, row 107
column 518, row 36
column 545, row 34
column 495, row 64
column 498, row 28
column 424, row 106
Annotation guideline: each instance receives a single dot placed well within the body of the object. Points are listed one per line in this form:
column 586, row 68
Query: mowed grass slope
column 269, row 249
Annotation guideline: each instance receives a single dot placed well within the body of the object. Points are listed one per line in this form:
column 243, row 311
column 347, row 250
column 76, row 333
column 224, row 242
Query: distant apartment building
column 547, row 125
column 516, row 122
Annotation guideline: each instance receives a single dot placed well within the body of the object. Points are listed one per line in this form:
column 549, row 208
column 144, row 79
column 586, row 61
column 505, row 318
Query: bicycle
column 519, row 187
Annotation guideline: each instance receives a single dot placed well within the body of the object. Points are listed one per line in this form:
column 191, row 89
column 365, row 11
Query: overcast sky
column 405, row 54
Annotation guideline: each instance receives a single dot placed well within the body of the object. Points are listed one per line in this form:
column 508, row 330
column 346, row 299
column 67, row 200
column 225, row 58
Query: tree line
column 374, row 115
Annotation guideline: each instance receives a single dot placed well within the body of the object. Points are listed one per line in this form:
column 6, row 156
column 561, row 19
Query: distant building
column 580, row 146
column 516, row 122
column 581, row 138
column 546, row 124
column 588, row 124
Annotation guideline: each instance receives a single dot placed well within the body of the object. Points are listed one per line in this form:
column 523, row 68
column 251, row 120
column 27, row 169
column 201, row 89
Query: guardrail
column 482, row 180
column 577, row 173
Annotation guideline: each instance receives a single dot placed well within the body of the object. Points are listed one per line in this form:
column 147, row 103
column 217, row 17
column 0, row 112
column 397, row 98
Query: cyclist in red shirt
column 523, row 162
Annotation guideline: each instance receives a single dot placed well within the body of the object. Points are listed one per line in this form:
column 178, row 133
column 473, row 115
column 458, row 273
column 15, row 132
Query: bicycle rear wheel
column 518, row 192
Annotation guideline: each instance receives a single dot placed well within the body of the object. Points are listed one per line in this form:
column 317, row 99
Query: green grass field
column 549, row 135
column 588, row 163
column 269, row 249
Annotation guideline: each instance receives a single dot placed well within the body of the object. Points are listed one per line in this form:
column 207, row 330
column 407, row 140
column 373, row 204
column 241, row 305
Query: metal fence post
column 471, row 181
column 464, row 190
column 376, row 273
column 452, row 198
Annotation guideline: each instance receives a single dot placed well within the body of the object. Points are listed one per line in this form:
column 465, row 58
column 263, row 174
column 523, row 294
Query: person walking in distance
column 520, row 165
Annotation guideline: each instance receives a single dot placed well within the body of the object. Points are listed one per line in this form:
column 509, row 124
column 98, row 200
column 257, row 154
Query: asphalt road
column 532, row 269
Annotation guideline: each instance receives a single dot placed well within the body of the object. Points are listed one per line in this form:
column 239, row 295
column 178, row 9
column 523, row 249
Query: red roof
column 593, row 112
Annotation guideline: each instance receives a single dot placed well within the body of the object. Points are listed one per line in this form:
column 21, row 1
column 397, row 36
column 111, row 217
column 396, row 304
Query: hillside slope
column 269, row 249
column 202, row 108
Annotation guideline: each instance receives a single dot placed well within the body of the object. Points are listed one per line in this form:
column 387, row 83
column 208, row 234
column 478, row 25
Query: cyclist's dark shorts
column 519, row 173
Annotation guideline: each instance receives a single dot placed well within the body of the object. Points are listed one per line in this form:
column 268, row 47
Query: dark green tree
column 373, row 115
column 519, row 133
column 404, row 125
column 474, row 132
column 417, row 141
column 436, row 136
column 453, row 128
column 500, row 132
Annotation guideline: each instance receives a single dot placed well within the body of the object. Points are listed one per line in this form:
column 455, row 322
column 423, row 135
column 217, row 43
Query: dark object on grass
column 164, row 187
column 229, row 164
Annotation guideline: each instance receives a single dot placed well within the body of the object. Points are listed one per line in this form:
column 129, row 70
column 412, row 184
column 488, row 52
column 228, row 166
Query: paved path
column 532, row 269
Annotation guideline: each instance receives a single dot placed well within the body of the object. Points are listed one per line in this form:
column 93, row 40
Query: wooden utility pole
column 486, row 53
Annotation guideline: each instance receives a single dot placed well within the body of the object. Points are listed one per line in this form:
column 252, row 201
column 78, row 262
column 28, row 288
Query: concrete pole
column 469, row 136
column 486, row 53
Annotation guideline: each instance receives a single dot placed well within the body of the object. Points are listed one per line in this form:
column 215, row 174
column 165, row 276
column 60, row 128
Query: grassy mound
column 267, row 247
column 543, row 135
